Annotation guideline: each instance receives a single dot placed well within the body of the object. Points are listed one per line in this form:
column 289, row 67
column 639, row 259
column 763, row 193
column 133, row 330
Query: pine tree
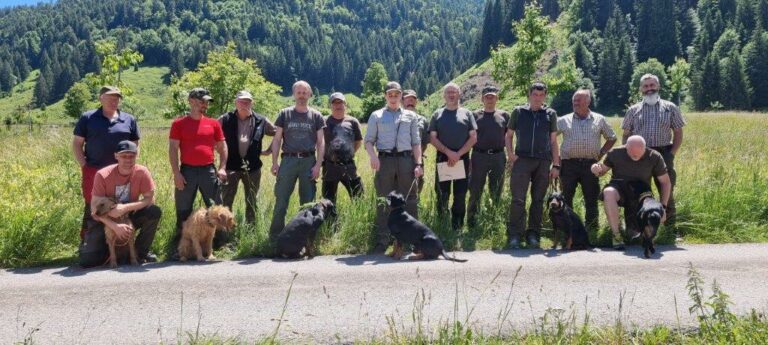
column 755, row 57
column 705, row 84
column 583, row 58
column 735, row 91
column 41, row 92
column 615, row 64
column 657, row 31
column 6, row 77
column 746, row 19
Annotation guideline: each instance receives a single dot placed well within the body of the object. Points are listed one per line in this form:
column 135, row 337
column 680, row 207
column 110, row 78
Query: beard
column 651, row 98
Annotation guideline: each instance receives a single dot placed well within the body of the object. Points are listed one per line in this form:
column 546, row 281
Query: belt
column 407, row 153
column 581, row 160
column 298, row 154
column 196, row 166
column 488, row 152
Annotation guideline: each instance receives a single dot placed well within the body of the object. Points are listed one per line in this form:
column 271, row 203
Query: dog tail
column 454, row 259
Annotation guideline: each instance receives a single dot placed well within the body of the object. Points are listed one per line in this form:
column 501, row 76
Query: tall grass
column 722, row 196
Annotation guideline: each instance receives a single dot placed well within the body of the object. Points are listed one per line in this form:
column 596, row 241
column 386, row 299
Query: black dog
column 408, row 230
column 649, row 218
column 301, row 230
column 565, row 221
column 341, row 147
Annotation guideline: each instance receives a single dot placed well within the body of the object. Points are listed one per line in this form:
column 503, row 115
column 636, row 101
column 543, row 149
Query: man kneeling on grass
column 631, row 163
column 125, row 181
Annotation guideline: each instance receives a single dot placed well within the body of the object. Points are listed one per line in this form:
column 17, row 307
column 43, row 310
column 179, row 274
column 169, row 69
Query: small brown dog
column 198, row 230
column 103, row 206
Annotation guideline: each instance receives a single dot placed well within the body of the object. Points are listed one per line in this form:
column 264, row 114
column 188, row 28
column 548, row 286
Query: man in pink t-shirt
column 196, row 136
column 131, row 185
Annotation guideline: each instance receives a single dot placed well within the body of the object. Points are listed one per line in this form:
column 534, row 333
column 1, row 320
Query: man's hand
column 664, row 215
column 222, row 175
column 453, row 158
column 118, row 211
column 554, row 173
column 275, row 168
column 418, row 171
column 511, row 158
column 179, row 181
column 316, row 171
column 597, row 169
column 123, row 231
column 375, row 163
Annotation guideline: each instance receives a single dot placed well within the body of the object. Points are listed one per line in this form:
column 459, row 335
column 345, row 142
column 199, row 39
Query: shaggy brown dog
column 103, row 206
column 198, row 230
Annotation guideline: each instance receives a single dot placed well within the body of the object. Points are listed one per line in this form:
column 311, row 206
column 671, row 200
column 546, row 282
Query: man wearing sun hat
column 196, row 136
column 95, row 138
column 243, row 132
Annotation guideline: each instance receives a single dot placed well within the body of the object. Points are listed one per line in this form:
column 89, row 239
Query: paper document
column 446, row 173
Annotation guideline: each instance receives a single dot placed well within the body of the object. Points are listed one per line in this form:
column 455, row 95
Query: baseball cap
column 410, row 93
column 201, row 94
column 244, row 95
column 127, row 146
column 110, row 90
column 337, row 96
column 490, row 90
column 393, row 86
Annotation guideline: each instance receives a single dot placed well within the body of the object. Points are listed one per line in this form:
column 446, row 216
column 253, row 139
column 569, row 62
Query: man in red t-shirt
column 131, row 185
column 196, row 136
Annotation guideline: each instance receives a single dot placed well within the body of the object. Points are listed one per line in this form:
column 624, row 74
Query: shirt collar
column 121, row 117
column 577, row 117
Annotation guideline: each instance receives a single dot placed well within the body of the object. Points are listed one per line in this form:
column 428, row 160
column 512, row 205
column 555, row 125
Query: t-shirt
column 196, row 139
column 349, row 127
column 623, row 167
column 102, row 135
column 108, row 182
column 491, row 128
column 452, row 126
column 299, row 129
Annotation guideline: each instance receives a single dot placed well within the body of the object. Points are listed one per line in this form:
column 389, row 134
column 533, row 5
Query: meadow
column 722, row 195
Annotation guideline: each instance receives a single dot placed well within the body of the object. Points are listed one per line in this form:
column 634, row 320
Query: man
column 410, row 101
column 453, row 132
column 196, row 136
column 631, row 163
column 394, row 133
column 299, row 134
column 131, row 185
column 660, row 123
column 343, row 138
column 243, row 132
column 95, row 138
column 534, row 125
column 581, row 148
column 488, row 159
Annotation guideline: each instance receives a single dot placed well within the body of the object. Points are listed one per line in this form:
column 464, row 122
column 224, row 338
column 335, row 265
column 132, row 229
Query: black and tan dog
column 649, row 219
column 342, row 146
column 409, row 231
column 117, row 251
column 566, row 221
column 298, row 237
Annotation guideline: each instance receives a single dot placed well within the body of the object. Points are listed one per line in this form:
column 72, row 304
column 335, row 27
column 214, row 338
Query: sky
column 10, row 3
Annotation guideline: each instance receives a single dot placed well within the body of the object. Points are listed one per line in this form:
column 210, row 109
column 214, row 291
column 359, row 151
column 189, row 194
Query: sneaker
column 149, row 258
column 513, row 243
column 532, row 241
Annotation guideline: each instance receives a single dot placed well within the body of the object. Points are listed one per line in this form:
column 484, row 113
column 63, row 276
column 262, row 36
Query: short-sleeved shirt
column 393, row 130
column 653, row 122
column 108, row 182
column 453, row 126
column 102, row 135
column 581, row 136
column 349, row 127
column 624, row 168
column 299, row 129
column 197, row 139
column 491, row 128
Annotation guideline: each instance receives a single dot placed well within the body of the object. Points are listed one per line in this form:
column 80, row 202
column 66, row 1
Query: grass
column 722, row 196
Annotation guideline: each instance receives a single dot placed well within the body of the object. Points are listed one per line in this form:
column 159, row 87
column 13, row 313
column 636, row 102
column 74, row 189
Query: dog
column 408, row 230
column 198, row 230
column 649, row 218
column 298, row 237
column 341, row 147
column 566, row 221
column 116, row 250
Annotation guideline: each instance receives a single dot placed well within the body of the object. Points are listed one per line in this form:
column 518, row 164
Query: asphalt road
column 344, row 298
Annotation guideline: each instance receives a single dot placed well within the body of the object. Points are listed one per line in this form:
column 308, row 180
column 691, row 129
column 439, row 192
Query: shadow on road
column 637, row 251
column 359, row 260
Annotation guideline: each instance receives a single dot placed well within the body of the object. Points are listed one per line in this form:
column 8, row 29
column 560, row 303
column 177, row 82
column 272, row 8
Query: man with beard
column 299, row 133
column 660, row 123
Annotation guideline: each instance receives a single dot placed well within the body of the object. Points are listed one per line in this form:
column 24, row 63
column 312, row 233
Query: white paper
column 448, row 173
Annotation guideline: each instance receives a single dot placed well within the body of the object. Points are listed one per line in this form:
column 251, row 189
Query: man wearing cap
column 393, row 144
column 453, row 133
column 343, row 138
column 196, row 136
column 580, row 149
column 299, row 134
column 410, row 101
column 243, row 132
column 96, row 136
column 535, row 159
column 488, row 159
column 131, row 185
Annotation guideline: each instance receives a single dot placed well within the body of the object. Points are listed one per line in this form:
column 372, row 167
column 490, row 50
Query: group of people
column 474, row 149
